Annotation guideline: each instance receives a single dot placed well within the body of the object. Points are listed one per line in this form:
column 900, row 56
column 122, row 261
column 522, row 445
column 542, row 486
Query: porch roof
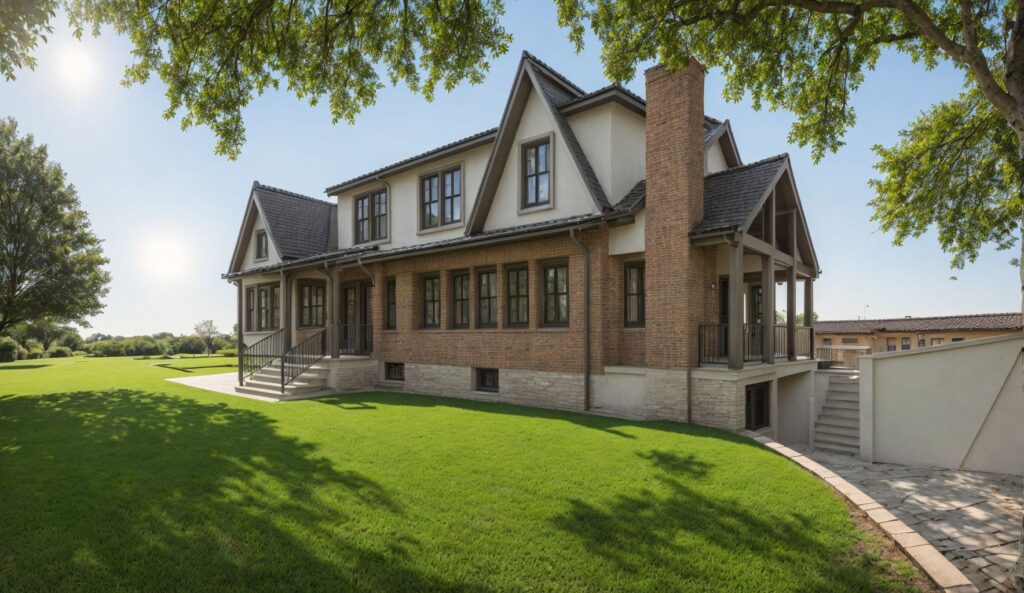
column 733, row 196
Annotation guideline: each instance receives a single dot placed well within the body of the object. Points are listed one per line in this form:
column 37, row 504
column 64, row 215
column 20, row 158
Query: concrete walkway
column 973, row 518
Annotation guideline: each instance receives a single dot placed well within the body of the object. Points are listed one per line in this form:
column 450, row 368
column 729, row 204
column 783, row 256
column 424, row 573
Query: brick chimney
column 679, row 276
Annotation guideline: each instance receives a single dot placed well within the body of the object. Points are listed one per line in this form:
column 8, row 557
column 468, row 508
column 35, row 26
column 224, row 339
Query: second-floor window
column 518, row 297
column 536, row 174
column 432, row 301
column 460, row 300
column 487, row 299
column 311, row 304
column 441, row 199
column 262, row 245
column 372, row 217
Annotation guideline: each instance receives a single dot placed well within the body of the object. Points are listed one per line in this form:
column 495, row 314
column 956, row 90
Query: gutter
column 586, row 317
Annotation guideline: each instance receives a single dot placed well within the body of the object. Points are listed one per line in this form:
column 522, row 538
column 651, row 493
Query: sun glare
column 164, row 259
column 76, row 66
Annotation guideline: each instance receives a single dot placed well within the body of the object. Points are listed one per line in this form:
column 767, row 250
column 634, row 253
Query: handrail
column 354, row 338
column 304, row 355
column 260, row 354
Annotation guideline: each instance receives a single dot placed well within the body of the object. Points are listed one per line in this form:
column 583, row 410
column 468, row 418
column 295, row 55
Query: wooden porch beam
column 735, row 327
column 767, row 309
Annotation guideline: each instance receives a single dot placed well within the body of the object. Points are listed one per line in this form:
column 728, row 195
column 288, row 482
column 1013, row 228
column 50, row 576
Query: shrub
column 61, row 352
column 227, row 352
column 9, row 349
column 80, row 353
column 112, row 347
column 191, row 345
column 35, row 354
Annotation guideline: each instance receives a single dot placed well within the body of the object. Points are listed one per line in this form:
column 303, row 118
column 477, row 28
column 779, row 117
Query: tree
column 207, row 331
column 51, row 264
column 215, row 56
column 190, row 345
column 45, row 331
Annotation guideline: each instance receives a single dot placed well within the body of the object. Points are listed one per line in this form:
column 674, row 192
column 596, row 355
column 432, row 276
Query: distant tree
column 161, row 335
column 96, row 337
column 800, row 318
column 72, row 339
column 207, row 331
column 45, row 331
column 190, row 345
column 51, row 264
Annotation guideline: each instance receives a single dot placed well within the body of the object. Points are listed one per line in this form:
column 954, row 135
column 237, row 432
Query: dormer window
column 262, row 246
column 372, row 217
column 536, row 174
column 441, row 198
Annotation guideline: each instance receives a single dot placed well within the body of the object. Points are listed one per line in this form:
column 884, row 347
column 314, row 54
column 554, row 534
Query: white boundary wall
column 957, row 406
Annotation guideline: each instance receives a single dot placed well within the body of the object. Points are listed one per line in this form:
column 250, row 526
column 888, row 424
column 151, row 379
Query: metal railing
column 713, row 343
column 260, row 354
column 304, row 355
column 355, row 338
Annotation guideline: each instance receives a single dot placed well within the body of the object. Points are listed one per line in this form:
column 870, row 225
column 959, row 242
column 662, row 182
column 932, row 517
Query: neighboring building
column 867, row 336
column 595, row 251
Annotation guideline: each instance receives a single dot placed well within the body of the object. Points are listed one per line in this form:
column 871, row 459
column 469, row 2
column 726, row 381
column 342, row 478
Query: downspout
column 586, row 317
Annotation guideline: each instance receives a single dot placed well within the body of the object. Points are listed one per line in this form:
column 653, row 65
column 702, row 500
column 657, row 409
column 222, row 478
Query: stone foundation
column 353, row 374
column 562, row 391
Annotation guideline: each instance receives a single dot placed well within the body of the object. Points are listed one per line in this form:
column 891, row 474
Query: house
column 597, row 251
column 843, row 341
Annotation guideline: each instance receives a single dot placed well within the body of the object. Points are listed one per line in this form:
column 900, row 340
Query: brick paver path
column 973, row 518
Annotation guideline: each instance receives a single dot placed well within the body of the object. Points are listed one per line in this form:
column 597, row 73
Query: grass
column 113, row 479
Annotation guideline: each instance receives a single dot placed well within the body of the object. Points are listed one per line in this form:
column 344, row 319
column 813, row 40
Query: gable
column 244, row 255
column 613, row 139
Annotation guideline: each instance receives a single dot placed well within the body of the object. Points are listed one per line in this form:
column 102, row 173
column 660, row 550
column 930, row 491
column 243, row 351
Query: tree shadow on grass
column 22, row 367
column 720, row 539
column 137, row 491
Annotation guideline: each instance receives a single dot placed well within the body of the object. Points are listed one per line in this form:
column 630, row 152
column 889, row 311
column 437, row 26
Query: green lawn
column 112, row 479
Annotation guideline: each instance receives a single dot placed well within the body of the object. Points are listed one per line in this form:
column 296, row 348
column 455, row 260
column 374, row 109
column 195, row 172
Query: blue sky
column 169, row 209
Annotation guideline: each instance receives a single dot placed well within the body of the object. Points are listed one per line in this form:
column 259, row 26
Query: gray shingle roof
column 982, row 321
column 299, row 225
column 711, row 127
column 731, row 196
column 633, row 198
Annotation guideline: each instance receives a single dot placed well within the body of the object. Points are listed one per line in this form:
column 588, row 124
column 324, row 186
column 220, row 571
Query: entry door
column 349, row 319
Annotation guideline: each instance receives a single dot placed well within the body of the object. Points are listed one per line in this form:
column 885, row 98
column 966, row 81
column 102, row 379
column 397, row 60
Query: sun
column 164, row 258
column 76, row 66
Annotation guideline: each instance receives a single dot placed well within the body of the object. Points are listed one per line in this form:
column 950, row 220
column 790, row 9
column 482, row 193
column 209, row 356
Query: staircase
column 266, row 382
column 837, row 428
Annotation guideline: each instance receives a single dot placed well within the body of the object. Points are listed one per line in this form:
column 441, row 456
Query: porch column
column 768, row 309
column 241, row 328
column 735, row 329
column 330, row 319
column 791, row 290
column 286, row 309
column 809, row 312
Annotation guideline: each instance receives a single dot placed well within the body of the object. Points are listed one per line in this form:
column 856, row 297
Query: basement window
column 757, row 406
column 394, row 371
column 487, row 380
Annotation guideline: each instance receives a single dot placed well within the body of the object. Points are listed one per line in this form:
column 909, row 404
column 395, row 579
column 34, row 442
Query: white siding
column 613, row 139
column 714, row 158
column 249, row 261
column 628, row 238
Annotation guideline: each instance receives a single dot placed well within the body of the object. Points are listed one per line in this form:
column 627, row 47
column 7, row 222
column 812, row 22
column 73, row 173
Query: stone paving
column 973, row 518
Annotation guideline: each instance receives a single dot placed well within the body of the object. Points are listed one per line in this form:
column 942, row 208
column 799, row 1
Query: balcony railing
column 713, row 338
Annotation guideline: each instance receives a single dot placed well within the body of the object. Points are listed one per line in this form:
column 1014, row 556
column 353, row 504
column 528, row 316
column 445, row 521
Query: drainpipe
column 586, row 317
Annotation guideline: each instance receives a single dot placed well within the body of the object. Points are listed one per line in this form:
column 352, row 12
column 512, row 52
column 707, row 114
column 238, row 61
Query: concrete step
column 293, row 388
column 844, row 387
column 275, row 375
column 836, row 447
column 831, row 410
column 835, row 402
column 844, row 378
column 829, row 429
column 843, row 396
column 839, row 421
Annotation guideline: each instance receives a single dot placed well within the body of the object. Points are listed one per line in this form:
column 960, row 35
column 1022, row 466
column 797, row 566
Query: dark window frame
column 262, row 245
column 390, row 373
column 850, row 341
column 532, row 180
column 435, row 191
column 638, row 267
column 545, row 318
column 391, row 304
column 905, row 343
column 430, row 285
column 370, row 217
column 483, row 382
column 757, row 399
column 491, row 319
column 513, row 275
column 312, row 313
column 460, row 299
column 250, row 308
column 268, row 318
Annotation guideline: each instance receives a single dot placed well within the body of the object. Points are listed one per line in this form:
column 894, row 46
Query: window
column 311, row 304
column 757, row 406
column 826, row 342
column 432, row 301
column 955, row 340
column 372, row 217
column 262, row 245
column 487, row 299
column 536, row 174
column 394, row 371
column 890, row 344
column 556, row 294
column 441, row 197
column 487, row 380
column 920, row 343
column 905, row 344
column 391, row 319
column 518, row 292
column 849, row 340
column 250, row 309
column 937, row 341
column 268, row 307
column 634, row 273
column 460, row 300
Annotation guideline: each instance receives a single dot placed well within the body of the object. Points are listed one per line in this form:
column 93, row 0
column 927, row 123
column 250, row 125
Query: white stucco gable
column 244, row 256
